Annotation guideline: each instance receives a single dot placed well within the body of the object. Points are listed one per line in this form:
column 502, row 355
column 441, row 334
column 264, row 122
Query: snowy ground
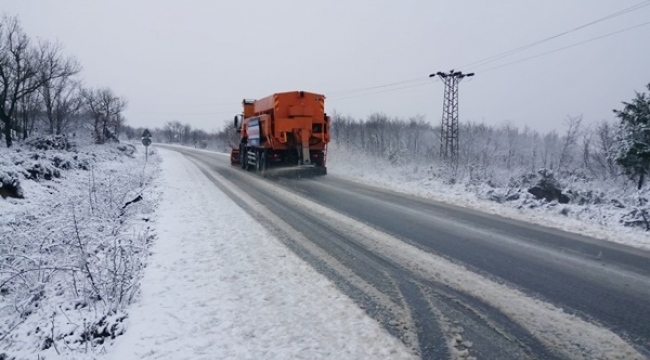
column 600, row 221
column 216, row 285
column 220, row 286
column 72, row 249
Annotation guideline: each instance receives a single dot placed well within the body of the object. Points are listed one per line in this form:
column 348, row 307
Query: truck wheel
column 243, row 157
column 258, row 163
column 262, row 162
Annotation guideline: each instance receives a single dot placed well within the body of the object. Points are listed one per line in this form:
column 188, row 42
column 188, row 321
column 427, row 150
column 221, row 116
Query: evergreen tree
column 634, row 142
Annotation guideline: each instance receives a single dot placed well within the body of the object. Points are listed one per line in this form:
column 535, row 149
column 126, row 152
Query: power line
column 567, row 47
column 488, row 59
column 360, row 92
column 423, row 82
column 521, row 48
column 342, row 95
column 343, row 92
column 489, row 69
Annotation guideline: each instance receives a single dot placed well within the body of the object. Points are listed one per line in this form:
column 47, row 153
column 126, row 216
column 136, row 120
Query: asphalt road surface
column 452, row 282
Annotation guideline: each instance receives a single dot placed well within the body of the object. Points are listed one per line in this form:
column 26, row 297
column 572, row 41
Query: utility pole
column 449, row 128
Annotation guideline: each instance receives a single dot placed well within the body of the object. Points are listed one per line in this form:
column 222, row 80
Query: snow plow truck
column 285, row 133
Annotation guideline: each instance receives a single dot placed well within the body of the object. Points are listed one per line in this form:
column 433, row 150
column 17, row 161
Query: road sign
column 146, row 142
column 146, row 134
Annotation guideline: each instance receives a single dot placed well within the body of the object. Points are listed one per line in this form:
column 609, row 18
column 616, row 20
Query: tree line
column 41, row 91
column 176, row 132
column 606, row 150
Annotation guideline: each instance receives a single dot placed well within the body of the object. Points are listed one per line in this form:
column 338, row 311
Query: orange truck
column 284, row 130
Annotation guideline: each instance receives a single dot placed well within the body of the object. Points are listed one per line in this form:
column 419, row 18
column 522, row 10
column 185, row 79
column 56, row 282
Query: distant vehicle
column 284, row 130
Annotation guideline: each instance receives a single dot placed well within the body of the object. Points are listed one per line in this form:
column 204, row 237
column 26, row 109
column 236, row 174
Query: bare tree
column 186, row 133
column 28, row 114
column 570, row 139
column 169, row 131
column 19, row 67
column 587, row 151
column 606, row 135
column 416, row 127
column 550, row 141
column 24, row 69
column 178, row 131
column 59, row 93
column 105, row 109
column 175, row 131
column 512, row 133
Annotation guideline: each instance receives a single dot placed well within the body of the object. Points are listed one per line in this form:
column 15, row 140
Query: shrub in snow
column 513, row 197
column 39, row 170
column 548, row 188
column 128, row 149
column 10, row 185
column 54, row 142
column 638, row 217
column 62, row 161
column 586, row 197
column 72, row 253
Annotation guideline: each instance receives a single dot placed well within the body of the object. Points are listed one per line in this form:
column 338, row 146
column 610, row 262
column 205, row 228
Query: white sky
column 194, row 60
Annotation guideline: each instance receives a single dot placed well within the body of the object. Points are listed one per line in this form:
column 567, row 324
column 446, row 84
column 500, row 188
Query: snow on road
column 219, row 286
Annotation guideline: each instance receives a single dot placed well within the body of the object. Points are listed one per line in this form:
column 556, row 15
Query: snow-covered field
column 598, row 213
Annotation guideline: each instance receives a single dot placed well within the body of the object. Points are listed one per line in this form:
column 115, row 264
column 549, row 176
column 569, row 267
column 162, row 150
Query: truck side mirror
column 238, row 122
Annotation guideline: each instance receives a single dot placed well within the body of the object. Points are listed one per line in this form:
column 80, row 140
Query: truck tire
column 258, row 163
column 243, row 156
column 262, row 163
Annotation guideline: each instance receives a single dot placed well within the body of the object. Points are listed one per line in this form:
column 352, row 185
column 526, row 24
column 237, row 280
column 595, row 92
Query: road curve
column 598, row 285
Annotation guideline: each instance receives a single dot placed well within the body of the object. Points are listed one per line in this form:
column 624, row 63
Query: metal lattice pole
column 449, row 126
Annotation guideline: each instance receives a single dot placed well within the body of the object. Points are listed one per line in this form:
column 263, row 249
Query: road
column 451, row 282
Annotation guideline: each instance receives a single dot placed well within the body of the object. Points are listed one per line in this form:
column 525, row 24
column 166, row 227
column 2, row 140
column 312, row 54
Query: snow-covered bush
column 548, row 188
column 10, row 184
column 73, row 249
column 128, row 149
column 53, row 142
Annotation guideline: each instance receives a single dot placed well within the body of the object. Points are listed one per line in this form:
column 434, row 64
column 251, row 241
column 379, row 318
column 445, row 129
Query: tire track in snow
column 425, row 341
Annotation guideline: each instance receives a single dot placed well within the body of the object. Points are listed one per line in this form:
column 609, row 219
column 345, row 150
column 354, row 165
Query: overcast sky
column 195, row 60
